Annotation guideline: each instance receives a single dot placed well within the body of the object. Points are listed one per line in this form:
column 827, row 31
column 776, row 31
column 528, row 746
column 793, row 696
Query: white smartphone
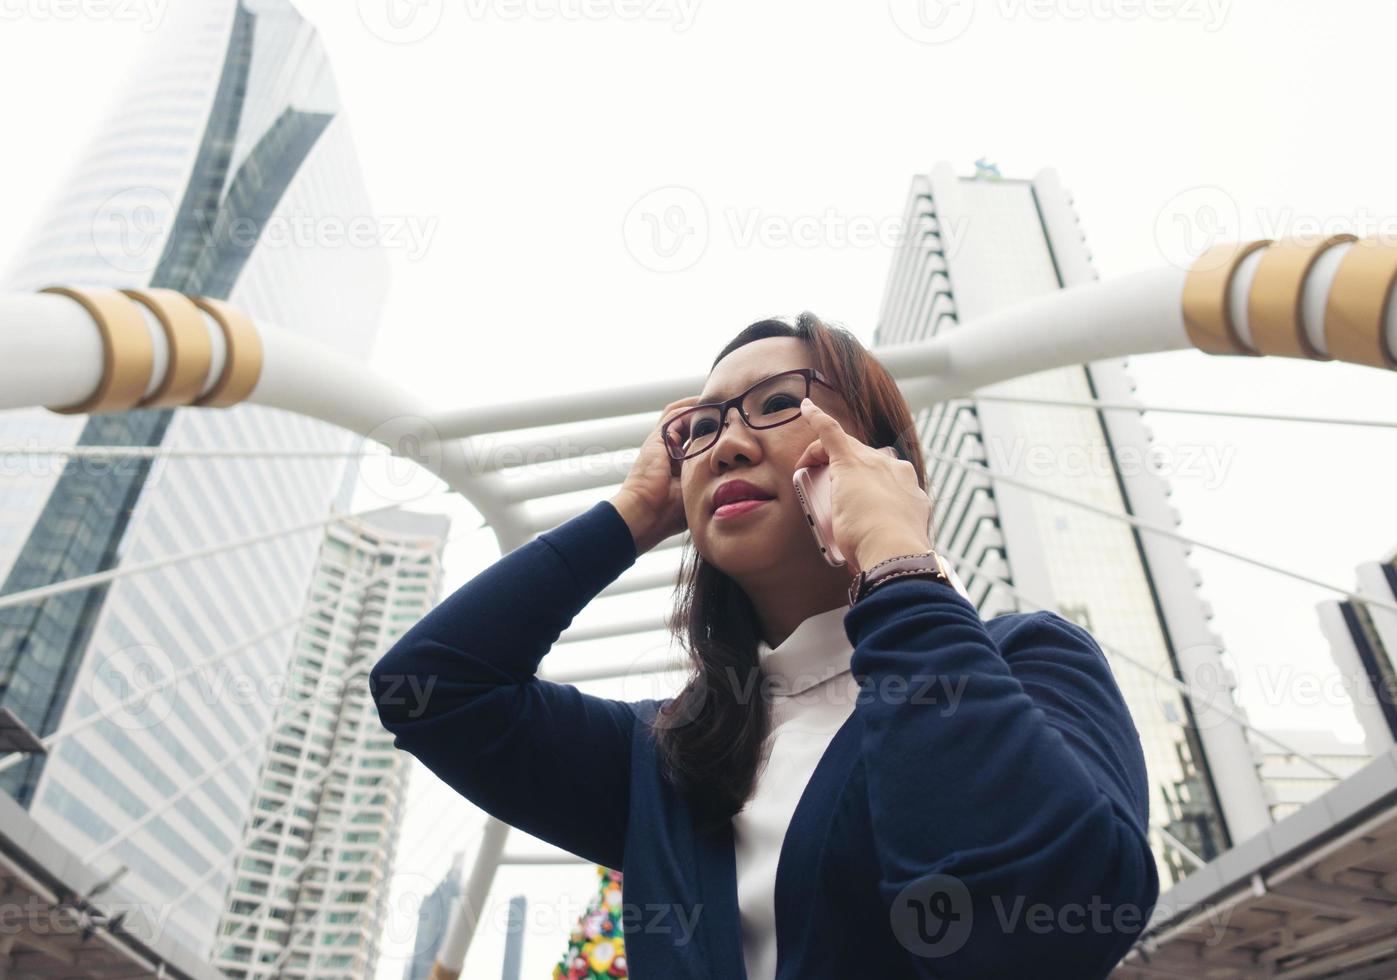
column 812, row 486
column 813, row 491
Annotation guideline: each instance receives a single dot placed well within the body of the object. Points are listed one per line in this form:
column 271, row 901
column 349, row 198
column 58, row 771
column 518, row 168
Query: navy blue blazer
column 982, row 812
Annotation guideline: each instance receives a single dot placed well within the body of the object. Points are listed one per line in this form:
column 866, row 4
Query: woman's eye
column 773, row 404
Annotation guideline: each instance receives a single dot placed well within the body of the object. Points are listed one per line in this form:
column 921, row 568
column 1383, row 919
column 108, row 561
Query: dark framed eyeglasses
column 770, row 402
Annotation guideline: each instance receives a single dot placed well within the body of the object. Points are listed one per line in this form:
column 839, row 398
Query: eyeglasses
column 770, row 402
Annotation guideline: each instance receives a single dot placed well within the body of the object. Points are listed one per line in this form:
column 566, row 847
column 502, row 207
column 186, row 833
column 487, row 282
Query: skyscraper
column 220, row 175
column 433, row 916
column 970, row 247
column 311, row 886
column 1363, row 641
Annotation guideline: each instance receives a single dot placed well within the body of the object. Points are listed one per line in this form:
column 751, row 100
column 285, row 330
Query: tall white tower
column 972, row 246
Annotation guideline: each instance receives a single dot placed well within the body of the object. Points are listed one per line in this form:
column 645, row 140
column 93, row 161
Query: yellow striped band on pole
column 128, row 352
column 242, row 364
column 191, row 351
column 1356, row 309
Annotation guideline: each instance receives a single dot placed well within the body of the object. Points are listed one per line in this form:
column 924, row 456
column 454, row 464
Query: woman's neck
column 784, row 602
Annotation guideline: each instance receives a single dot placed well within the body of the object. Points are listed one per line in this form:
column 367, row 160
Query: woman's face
column 774, row 532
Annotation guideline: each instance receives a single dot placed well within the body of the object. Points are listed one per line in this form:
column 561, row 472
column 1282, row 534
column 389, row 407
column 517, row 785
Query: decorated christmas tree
column 596, row 948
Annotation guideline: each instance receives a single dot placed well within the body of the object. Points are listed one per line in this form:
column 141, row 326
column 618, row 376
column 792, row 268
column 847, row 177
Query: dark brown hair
column 710, row 735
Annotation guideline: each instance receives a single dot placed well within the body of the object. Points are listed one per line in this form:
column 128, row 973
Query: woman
column 883, row 785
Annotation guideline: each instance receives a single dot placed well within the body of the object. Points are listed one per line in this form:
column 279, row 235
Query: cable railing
column 180, row 558
column 981, row 468
column 1221, row 413
column 164, row 681
column 1181, row 686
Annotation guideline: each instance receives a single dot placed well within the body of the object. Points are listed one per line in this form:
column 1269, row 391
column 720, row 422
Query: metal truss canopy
column 87, row 350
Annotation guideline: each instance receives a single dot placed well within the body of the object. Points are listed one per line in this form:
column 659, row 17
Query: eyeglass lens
column 773, row 402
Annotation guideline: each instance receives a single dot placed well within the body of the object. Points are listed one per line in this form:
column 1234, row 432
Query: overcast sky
column 520, row 147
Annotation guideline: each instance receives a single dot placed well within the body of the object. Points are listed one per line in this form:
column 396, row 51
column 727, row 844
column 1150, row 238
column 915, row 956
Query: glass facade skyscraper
column 226, row 142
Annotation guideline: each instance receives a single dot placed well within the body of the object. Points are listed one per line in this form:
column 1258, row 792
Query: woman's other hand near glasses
column 650, row 500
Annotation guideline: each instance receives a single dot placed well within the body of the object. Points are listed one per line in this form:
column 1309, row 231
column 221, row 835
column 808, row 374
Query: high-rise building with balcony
column 972, row 246
column 310, row 889
column 225, row 170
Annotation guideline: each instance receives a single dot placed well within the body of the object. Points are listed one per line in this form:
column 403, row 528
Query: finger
column 832, row 434
column 814, row 455
column 673, row 408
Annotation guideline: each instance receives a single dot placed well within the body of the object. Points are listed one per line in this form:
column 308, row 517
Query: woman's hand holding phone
column 650, row 500
column 879, row 511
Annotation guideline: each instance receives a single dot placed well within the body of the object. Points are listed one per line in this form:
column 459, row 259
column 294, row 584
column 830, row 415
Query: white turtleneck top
column 813, row 694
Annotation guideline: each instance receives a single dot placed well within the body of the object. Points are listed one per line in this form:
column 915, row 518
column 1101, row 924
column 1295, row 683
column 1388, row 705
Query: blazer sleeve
column 458, row 690
column 1007, row 787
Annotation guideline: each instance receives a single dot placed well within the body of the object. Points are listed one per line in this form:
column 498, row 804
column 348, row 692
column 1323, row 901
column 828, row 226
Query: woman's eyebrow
column 707, row 399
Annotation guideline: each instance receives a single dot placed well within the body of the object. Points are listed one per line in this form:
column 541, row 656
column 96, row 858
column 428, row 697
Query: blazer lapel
column 806, row 834
column 720, row 924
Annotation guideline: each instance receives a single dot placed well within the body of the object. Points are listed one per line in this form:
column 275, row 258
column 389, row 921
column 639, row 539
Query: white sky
column 518, row 140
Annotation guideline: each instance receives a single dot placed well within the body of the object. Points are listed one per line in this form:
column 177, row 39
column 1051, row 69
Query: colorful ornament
column 596, row 947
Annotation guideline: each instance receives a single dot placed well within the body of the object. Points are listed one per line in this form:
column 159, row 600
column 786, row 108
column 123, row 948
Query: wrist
column 638, row 519
column 872, row 552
